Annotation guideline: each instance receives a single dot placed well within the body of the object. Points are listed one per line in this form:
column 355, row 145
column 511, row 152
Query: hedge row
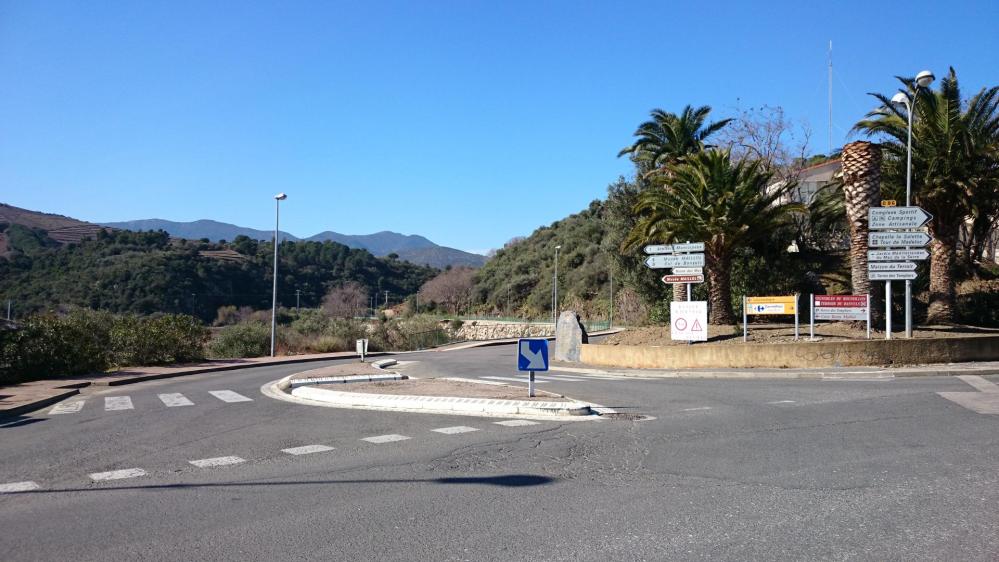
column 87, row 341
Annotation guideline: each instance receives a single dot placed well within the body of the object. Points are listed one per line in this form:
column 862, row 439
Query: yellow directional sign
column 772, row 305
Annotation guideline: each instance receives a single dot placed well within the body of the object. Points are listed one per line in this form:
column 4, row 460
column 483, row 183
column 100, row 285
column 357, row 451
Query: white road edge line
column 217, row 461
column 13, row 487
column 117, row 474
column 515, row 423
column 782, row 402
column 702, row 408
column 307, row 449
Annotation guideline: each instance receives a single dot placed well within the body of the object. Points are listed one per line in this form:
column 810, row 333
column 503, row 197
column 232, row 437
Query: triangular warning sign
column 697, row 326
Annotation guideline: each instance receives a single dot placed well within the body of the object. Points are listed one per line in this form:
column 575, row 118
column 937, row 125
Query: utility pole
column 8, row 310
column 298, row 294
column 386, row 299
column 610, row 323
column 277, row 239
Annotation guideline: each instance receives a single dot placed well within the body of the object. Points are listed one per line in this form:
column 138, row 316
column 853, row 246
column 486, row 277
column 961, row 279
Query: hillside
column 518, row 279
column 148, row 272
column 56, row 227
column 412, row 248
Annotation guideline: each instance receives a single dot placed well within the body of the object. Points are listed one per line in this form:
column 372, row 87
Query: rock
column 570, row 335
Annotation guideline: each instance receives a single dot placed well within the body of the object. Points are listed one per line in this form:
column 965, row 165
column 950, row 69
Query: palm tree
column 861, row 165
column 726, row 204
column 955, row 150
column 667, row 139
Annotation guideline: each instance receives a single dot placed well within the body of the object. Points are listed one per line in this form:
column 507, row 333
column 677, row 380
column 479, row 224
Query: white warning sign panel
column 688, row 320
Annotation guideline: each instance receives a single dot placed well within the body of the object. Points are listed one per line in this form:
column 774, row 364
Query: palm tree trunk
column 679, row 292
column 943, row 255
column 719, row 290
column 861, row 188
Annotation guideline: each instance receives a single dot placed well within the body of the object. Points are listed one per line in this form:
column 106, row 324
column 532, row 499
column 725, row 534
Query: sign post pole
column 887, row 310
column 744, row 334
column 811, row 314
column 796, row 317
column 530, row 386
column 868, row 316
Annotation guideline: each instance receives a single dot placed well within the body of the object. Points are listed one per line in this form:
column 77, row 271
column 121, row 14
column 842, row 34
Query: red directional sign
column 840, row 301
column 669, row 279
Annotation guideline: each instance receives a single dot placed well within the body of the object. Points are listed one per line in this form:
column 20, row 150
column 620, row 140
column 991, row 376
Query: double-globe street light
column 277, row 220
column 923, row 80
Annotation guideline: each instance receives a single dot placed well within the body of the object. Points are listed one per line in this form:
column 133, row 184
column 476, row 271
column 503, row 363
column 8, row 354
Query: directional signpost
column 688, row 271
column 670, row 279
column 766, row 306
column 532, row 355
column 840, row 307
column 896, row 239
column 902, row 224
column 663, row 261
column 674, row 248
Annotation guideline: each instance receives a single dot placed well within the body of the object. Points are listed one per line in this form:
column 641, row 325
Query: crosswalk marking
column 981, row 384
column 217, row 461
column 67, row 407
column 523, row 380
column 11, row 487
column 307, row 449
column 229, row 396
column 385, row 438
column 781, row 402
column 516, row 423
column 174, row 399
column 112, row 403
column 454, row 429
column 699, row 409
column 117, row 474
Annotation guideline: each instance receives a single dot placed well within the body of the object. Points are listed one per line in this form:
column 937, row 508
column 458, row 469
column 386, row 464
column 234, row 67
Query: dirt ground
column 784, row 333
column 446, row 387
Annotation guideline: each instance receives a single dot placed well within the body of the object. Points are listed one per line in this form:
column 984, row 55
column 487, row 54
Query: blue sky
column 467, row 122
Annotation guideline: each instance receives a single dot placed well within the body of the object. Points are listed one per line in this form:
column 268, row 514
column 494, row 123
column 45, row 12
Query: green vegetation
column 147, row 272
column 86, row 341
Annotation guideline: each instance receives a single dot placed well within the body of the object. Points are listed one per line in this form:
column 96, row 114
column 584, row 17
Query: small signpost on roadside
column 769, row 306
column 688, row 320
column 900, row 228
column 840, row 307
column 532, row 355
column 362, row 348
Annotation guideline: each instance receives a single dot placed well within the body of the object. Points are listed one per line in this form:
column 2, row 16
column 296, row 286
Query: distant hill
column 412, row 248
column 212, row 230
column 57, row 227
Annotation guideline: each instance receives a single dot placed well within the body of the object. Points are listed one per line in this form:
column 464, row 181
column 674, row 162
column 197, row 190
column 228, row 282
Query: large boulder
column 570, row 335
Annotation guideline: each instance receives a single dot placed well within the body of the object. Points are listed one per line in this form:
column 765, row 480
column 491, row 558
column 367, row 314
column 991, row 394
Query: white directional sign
column 881, row 218
column 897, row 255
column 891, row 275
column 688, row 271
column 675, row 260
column 674, row 248
column 891, row 266
column 688, row 320
column 896, row 239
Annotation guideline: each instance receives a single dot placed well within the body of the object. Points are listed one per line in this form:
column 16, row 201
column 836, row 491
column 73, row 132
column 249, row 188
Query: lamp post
column 555, row 290
column 923, row 80
column 277, row 219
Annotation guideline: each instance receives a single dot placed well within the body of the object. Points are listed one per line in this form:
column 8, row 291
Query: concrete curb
column 28, row 407
column 886, row 374
column 344, row 379
column 442, row 404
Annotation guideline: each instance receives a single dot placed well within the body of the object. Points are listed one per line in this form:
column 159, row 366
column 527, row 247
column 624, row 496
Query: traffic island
column 432, row 395
column 770, row 346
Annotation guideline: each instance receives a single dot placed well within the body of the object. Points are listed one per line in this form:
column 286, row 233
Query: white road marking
column 454, row 429
column 702, row 408
column 112, row 403
column 978, row 402
column 385, row 438
column 563, row 378
column 516, row 423
column 981, row 384
column 782, row 402
column 175, row 399
column 117, row 474
column 307, row 449
column 521, row 380
column 67, row 407
column 12, row 487
column 217, row 461
column 229, row 396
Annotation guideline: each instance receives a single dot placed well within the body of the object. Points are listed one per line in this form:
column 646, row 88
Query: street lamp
column 555, row 290
column 923, row 80
column 277, row 220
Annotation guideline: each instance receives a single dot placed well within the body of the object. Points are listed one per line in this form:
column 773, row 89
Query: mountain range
column 412, row 248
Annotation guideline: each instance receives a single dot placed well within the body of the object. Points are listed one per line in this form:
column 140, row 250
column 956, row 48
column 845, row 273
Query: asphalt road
column 726, row 470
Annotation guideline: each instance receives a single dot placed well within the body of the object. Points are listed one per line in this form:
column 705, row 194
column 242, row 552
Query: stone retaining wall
column 796, row 355
column 475, row 330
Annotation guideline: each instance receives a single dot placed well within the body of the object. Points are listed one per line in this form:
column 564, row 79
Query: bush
column 86, row 341
column 250, row 339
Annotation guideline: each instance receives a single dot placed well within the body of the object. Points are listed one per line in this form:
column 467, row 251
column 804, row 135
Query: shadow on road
column 505, row 481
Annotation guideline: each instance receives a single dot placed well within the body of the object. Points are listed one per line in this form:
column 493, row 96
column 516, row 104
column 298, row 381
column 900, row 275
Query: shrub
column 249, row 339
